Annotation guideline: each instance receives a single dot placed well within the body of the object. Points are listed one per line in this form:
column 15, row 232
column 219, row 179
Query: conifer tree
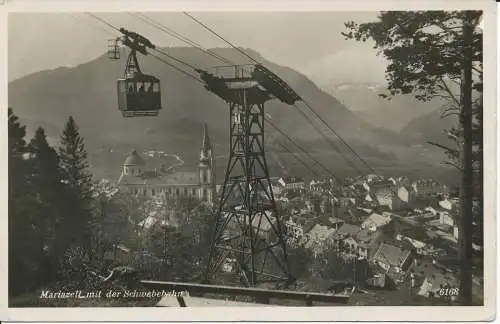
column 75, row 224
column 21, row 244
column 46, row 192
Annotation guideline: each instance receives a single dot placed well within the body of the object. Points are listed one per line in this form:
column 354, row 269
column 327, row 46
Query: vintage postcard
column 256, row 160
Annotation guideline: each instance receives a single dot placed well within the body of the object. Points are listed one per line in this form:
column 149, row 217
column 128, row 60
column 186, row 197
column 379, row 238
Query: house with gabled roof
column 392, row 257
column 375, row 221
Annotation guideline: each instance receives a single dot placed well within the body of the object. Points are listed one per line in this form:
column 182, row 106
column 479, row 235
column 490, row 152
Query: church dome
column 134, row 159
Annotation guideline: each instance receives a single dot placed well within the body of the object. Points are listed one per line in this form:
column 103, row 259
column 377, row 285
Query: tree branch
column 441, row 146
column 453, row 165
column 448, row 90
column 448, row 114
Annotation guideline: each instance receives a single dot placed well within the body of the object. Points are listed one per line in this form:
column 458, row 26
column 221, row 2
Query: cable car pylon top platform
column 261, row 83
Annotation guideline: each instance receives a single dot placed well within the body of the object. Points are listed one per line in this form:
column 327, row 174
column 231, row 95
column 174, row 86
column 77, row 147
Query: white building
column 292, row 183
column 375, row 221
column 427, row 188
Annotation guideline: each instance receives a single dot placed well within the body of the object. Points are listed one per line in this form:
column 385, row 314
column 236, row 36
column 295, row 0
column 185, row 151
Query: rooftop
column 161, row 179
column 134, row 159
column 376, row 220
column 391, row 254
column 347, row 230
column 292, row 179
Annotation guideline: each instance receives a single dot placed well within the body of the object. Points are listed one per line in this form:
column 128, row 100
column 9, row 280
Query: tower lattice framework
column 249, row 238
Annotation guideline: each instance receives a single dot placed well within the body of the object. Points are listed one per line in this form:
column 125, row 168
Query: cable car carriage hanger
column 139, row 94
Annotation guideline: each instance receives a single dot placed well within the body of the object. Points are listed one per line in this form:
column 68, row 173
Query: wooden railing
column 259, row 295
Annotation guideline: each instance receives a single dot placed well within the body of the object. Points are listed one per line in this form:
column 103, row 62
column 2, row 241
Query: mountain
column 431, row 127
column 88, row 93
column 365, row 102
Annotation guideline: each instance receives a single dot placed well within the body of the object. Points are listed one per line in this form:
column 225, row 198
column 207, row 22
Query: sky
column 310, row 42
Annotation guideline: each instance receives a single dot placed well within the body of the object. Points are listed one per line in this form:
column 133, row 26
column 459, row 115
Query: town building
column 433, row 277
column 277, row 187
column 160, row 182
column 323, row 185
column 292, row 183
column 395, row 261
column 428, row 188
column 376, row 221
column 406, row 194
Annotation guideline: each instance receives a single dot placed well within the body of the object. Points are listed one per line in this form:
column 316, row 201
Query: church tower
column 206, row 168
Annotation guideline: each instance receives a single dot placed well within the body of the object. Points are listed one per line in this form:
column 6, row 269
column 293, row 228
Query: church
column 141, row 178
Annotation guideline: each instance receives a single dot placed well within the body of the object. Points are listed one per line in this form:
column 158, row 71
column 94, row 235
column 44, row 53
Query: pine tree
column 431, row 53
column 46, row 192
column 21, row 244
column 74, row 229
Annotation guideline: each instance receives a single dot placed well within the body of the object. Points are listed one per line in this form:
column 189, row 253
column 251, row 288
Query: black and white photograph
column 214, row 158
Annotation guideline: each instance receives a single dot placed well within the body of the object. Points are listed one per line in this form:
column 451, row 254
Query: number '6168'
column 448, row 292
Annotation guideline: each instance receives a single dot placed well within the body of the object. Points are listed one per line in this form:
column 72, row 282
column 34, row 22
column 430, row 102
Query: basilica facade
column 153, row 181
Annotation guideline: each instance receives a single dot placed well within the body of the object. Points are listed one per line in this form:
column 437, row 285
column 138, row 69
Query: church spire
column 206, row 140
column 206, row 148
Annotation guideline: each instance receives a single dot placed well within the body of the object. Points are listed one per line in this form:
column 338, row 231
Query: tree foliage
column 76, row 223
column 21, row 256
column 183, row 239
column 45, row 194
column 424, row 50
column 432, row 54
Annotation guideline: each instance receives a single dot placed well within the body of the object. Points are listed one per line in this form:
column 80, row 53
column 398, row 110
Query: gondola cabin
column 139, row 95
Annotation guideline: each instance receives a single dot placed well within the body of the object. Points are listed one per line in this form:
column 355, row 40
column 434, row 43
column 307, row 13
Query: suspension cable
column 97, row 26
column 252, row 59
column 339, row 137
column 306, row 103
column 176, row 59
column 173, row 33
column 220, row 37
column 296, row 157
column 103, row 21
column 155, row 49
column 302, row 149
column 177, row 68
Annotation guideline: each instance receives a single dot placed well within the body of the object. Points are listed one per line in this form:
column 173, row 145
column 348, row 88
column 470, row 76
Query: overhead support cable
column 103, row 21
column 302, row 149
column 316, row 174
column 220, row 37
column 177, row 68
column 305, row 102
column 338, row 136
column 173, row 33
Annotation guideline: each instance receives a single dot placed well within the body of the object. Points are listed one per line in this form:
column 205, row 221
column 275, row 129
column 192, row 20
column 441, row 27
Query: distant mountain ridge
column 394, row 114
column 88, row 93
column 431, row 127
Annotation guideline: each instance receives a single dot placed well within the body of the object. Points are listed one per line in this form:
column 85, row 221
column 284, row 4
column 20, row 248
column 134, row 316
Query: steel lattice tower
column 249, row 234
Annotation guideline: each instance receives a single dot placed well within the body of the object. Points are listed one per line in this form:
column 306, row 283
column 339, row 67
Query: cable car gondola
column 139, row 94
